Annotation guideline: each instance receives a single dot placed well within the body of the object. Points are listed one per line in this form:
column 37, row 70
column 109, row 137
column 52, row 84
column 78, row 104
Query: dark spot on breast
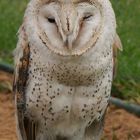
column 85, row 105
column 50, row 109
column 83, row 110
column 89, row 122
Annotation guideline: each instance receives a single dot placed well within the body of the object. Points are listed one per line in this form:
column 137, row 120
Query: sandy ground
column 119, row 125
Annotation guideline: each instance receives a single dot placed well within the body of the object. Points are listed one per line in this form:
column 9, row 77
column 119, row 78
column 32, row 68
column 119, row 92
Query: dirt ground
column 119, row 125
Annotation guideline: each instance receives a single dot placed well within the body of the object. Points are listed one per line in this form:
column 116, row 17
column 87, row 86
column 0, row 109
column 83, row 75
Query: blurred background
column 126, row 85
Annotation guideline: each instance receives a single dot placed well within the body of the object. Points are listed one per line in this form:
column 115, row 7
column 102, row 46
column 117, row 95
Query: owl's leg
column 78, row 136
column 19, row 134
column 40, row 133
column 44, row 134
column 94, row 131
column 75, row 137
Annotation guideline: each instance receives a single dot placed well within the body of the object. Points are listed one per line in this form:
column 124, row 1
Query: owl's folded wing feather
column 25, row 128
column 116, row 46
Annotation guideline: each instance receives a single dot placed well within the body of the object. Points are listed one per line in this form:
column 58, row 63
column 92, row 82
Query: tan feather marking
column 117, row 45
column 23, row 75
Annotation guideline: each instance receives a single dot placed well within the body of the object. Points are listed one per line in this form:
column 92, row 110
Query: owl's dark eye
column 51, row 20
column 87, row 17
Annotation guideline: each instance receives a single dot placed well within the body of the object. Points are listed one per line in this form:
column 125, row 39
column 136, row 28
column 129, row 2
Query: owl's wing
column 25, row 127
column 116, row 46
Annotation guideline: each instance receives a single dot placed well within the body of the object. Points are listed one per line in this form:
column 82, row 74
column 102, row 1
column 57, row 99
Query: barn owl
column 64, row 68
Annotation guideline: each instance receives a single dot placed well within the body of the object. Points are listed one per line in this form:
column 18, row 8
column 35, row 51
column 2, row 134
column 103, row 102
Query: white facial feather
column 84, row 32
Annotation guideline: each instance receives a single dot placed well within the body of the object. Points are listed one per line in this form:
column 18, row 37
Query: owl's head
column 70, row 27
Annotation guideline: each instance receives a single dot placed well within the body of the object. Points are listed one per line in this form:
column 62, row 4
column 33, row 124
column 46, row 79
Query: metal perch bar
column 7, row 68
column 130, row 107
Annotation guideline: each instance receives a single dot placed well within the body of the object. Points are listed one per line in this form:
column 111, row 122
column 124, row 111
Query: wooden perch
column 130, row 107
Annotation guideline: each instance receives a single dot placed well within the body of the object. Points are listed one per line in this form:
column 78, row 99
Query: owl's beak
column 68, row 16
column 68, row 43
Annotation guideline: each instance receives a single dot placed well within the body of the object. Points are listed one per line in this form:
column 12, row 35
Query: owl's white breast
column 68, row 91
